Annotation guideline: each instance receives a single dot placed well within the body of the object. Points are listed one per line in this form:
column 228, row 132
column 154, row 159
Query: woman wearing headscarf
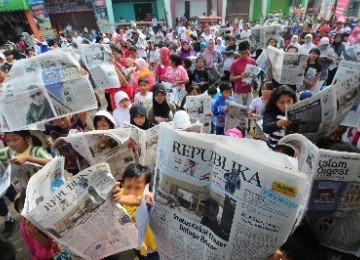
column 308, row 45
column 213, row 61
column 294, row 42
column 185, row 50
column 327, row 56
column 353, row 36
column 163, row 64
column 339, row 49
column 122, row 112
column 138, row 117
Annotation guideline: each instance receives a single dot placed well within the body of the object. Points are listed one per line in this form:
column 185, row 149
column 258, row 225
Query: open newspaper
column 5, row 179
column 353, row 52
column 199, row 109
column 43, row 88
column 345, row 70
column 118, row 147
column 252, row 71
column 236, row 116
column 321, row 114
column 174, row 94
column 264, row 63
column 97, row 58
column 334, row 206
column 263, row 33
column 287, row 68
column 81, row 214
column 215, row 200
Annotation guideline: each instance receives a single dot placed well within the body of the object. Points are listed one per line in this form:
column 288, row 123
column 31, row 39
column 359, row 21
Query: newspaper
column 51, row 177
column 334, row 206
column 97, row 58
column 352, row 119
column 353, row 52
column 321, row 114
column 236, row 116
column 199, row 109
column 255, row 131
column 214, row 200
column 81, row 215
column 174, row 94
column 118, row 147
column 43, row 88
column 264, row 63
column 5, row 179
column 345, row 70
column 253, row 71
column 287, row 68
column 262, row 34
column 19, row 173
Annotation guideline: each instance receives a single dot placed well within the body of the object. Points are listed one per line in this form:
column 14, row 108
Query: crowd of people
column 203, row 60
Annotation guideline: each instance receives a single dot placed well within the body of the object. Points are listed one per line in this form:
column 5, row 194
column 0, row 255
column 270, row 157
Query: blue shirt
column 218, row 109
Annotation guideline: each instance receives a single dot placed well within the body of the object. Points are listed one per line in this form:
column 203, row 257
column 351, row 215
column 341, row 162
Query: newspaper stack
column 334, row 206
column 214, row 200
column 79, row 214
column 43, row 88
column 321, row 114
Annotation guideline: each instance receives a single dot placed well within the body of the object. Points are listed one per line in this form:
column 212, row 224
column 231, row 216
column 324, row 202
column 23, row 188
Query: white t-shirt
column 257, row 105
column 145, row 101
column 245, row 34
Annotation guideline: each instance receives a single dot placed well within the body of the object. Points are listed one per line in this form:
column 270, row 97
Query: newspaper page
column 82, row 150
column 236, row 116
column 263, row 33
column 5, row 179
column 51, row 177
column 199, row 109
column 214, row 200
column 18, row 172
column 255, row 131
column 345, row 70
column 287, row 68
column 321, row 114
column 44, row 88
column 98, row 61
column 334, row 206
column 82, row 215
column 353, row 52
column 252, row 71
column 174, row 94
column 264, row 63
column 352, row 119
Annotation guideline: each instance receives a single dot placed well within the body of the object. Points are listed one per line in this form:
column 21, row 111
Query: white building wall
column 197, row 8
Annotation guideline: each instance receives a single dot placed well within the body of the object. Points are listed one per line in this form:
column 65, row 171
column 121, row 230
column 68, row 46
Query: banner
column 341, row 7
column 42, row 19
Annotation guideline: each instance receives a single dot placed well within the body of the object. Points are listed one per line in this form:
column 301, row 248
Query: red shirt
column 238, row 67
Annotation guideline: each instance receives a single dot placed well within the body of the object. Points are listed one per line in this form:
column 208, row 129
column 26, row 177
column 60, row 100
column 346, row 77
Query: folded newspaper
column 43, row 88
column 174, row 94
column 80, row 214
column 236, row 116
column 334, row 206
column 214, row 200
column 199, row 109
column 321, row 114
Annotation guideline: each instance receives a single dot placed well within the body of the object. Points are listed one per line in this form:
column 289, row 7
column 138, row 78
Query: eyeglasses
column 36, row 94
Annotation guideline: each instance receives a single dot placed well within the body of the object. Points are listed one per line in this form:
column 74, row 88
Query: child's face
column 194, row 92
column 144, row 87
column 159, row 98
column 272, row 43
column 200, row 64
column 139, row 120
column 124, row 103
column 226, row 93
column 134, row 186
column 266, row 92
column 283, row 102
column 64, row 122
column 102, row 124
column 16, row 142
column 292, row 50
column 244, row 54
column 129, row 63
column 313, row 55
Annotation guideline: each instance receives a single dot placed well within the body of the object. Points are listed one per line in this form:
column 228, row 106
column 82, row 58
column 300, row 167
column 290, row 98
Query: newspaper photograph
column 287, row 68
column 236, row 117
column 174, row 94
column 215, row 201
column 44, row 88
column 199, row 109
column 321, row 114
column 334, row 206
column 98, row 60
column 345, row 70
column 255, row 131
column 81, row 215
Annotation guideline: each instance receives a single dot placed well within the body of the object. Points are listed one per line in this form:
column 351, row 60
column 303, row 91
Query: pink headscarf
column 165, row 56
column 353, row 36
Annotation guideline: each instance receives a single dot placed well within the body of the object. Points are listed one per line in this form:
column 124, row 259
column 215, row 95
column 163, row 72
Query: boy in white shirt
column 144, row 97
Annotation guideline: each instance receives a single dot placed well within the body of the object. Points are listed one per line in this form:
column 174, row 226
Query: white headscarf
column 307, row 46
column 121, row 115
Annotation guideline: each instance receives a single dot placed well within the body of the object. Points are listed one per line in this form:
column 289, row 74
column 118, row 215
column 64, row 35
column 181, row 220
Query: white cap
column 181, row 120
column 324, row 41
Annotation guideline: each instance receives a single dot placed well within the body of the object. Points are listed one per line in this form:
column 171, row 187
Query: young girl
column 161, row 110
column 142, row 71
column 257, row 106
column 200, row 75
column 103, row 120
column 121, row 114
column 144, row 97
column 312, row 71
column 138, row 117
column 275, row 123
